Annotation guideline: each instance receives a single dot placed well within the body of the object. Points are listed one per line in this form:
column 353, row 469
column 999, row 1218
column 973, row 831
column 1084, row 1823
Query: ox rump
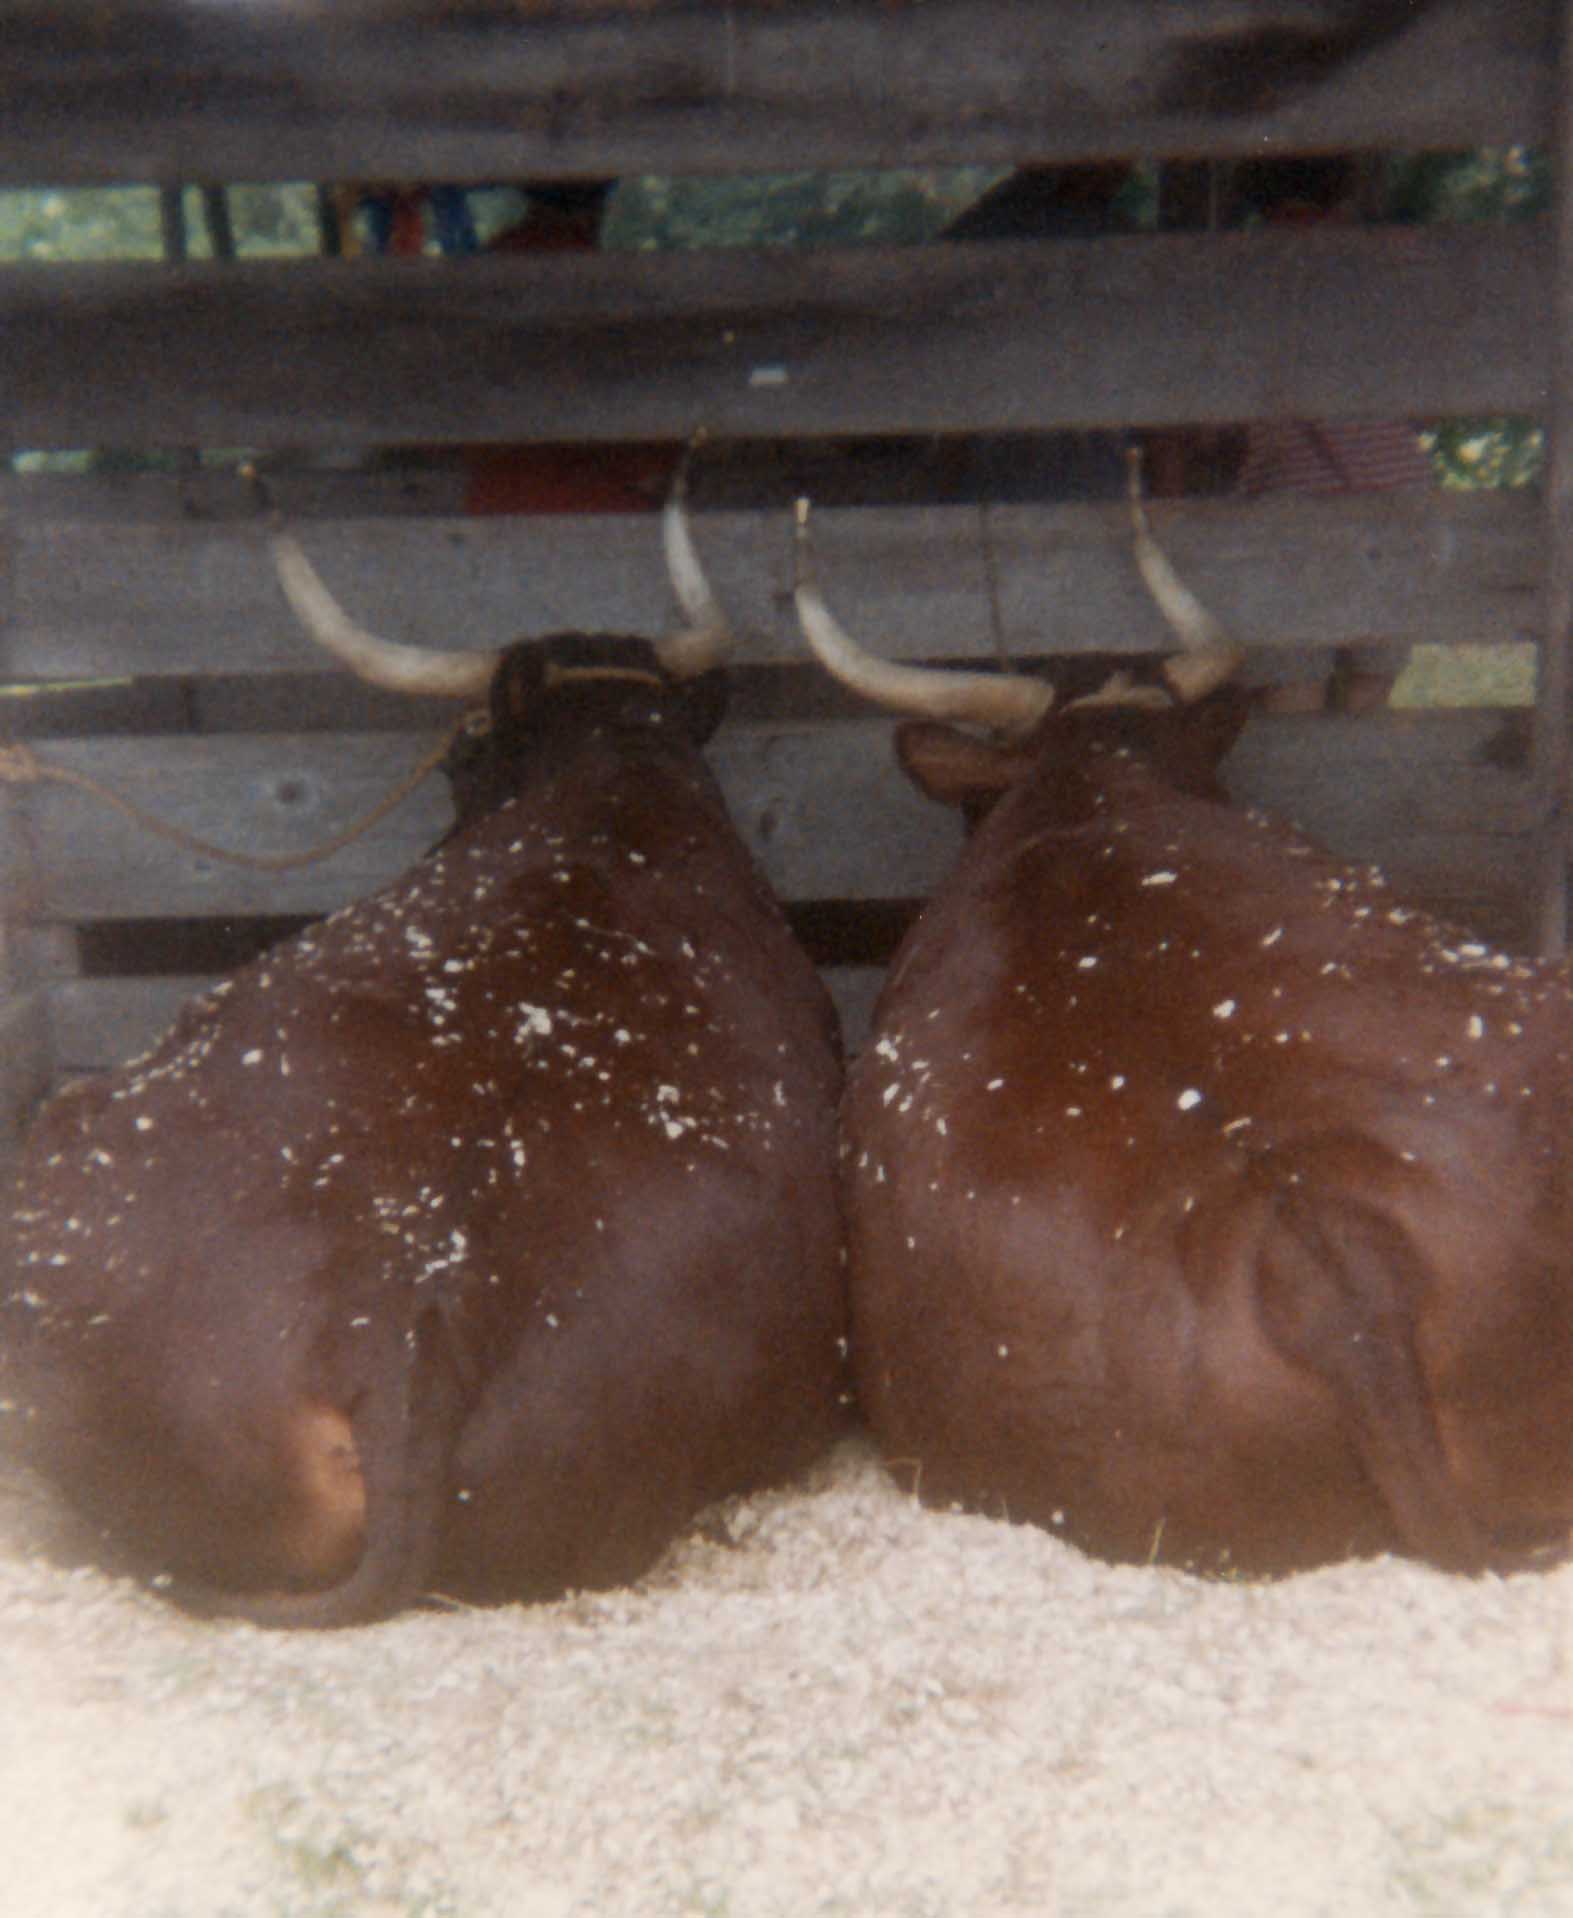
column 1206, row 1205
column 477, row 1237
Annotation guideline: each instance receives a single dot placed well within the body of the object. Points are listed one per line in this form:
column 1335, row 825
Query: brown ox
column 477, row 1237
column 1206, row 1204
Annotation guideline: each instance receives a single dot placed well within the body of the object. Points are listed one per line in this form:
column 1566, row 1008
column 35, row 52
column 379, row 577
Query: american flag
column 1342, row 456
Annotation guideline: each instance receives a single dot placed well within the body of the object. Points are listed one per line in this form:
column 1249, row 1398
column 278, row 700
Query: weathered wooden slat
column 253, row 794
column 794, row 791
column 1006, row 337
column 375, row 485
column 97, row 1023
column 822, row 806
column 504, row 91
column 25, row 1064
column 84, row 599
column 1555, row 662
column 1367, row 783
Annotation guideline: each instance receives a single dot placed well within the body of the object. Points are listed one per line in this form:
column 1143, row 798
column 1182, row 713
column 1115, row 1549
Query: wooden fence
column 853, row 373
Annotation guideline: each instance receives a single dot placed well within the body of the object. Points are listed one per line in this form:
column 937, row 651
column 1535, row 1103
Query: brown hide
column 1206, row 1204
column 473, row 1239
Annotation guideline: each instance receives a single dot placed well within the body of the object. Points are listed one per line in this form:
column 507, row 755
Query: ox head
column 1183, row 713
column 535, row 688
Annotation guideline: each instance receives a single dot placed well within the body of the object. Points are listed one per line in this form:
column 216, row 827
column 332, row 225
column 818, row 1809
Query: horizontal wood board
column 81, row 598
column 795, row 792
column 822, row 806
column 1007, row 337
column 1013, row 338
column 385, row 89
column 26, row 1065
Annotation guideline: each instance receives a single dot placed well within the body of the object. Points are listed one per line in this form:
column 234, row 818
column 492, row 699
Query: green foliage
column 269, row 221
column 83, row 223
column 1471, row 454
column 788, row 209
column 898, row 208
column 1495, row 183
column 122, row 223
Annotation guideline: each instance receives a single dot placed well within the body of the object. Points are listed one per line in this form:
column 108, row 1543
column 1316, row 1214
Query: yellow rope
column 20, row 765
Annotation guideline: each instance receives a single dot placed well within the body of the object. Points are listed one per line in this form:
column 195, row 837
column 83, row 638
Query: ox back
column 478, row 1236
column 1206, row 1205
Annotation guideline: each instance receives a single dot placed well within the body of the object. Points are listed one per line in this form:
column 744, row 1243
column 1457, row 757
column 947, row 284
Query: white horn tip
column 802, row 549
column 705, row 641
column 1135, row 492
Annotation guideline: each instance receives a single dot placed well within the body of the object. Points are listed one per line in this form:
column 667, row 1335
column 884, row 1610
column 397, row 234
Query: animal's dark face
column 565, row 687
column 569, row 685
column 1185, row 744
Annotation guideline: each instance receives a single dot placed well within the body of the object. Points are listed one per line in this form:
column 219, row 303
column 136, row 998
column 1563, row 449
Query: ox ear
column 957, row 769
column 703, row 703
column 1197, row 739
column 1220, row 719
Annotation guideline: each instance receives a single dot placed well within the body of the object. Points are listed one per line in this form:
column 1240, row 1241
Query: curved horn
column 1209, row 656
column 705, row 641
column 1009, row 702
column 381, row 662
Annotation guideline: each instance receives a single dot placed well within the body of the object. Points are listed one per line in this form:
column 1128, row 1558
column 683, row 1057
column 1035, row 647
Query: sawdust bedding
column 825, row 1700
